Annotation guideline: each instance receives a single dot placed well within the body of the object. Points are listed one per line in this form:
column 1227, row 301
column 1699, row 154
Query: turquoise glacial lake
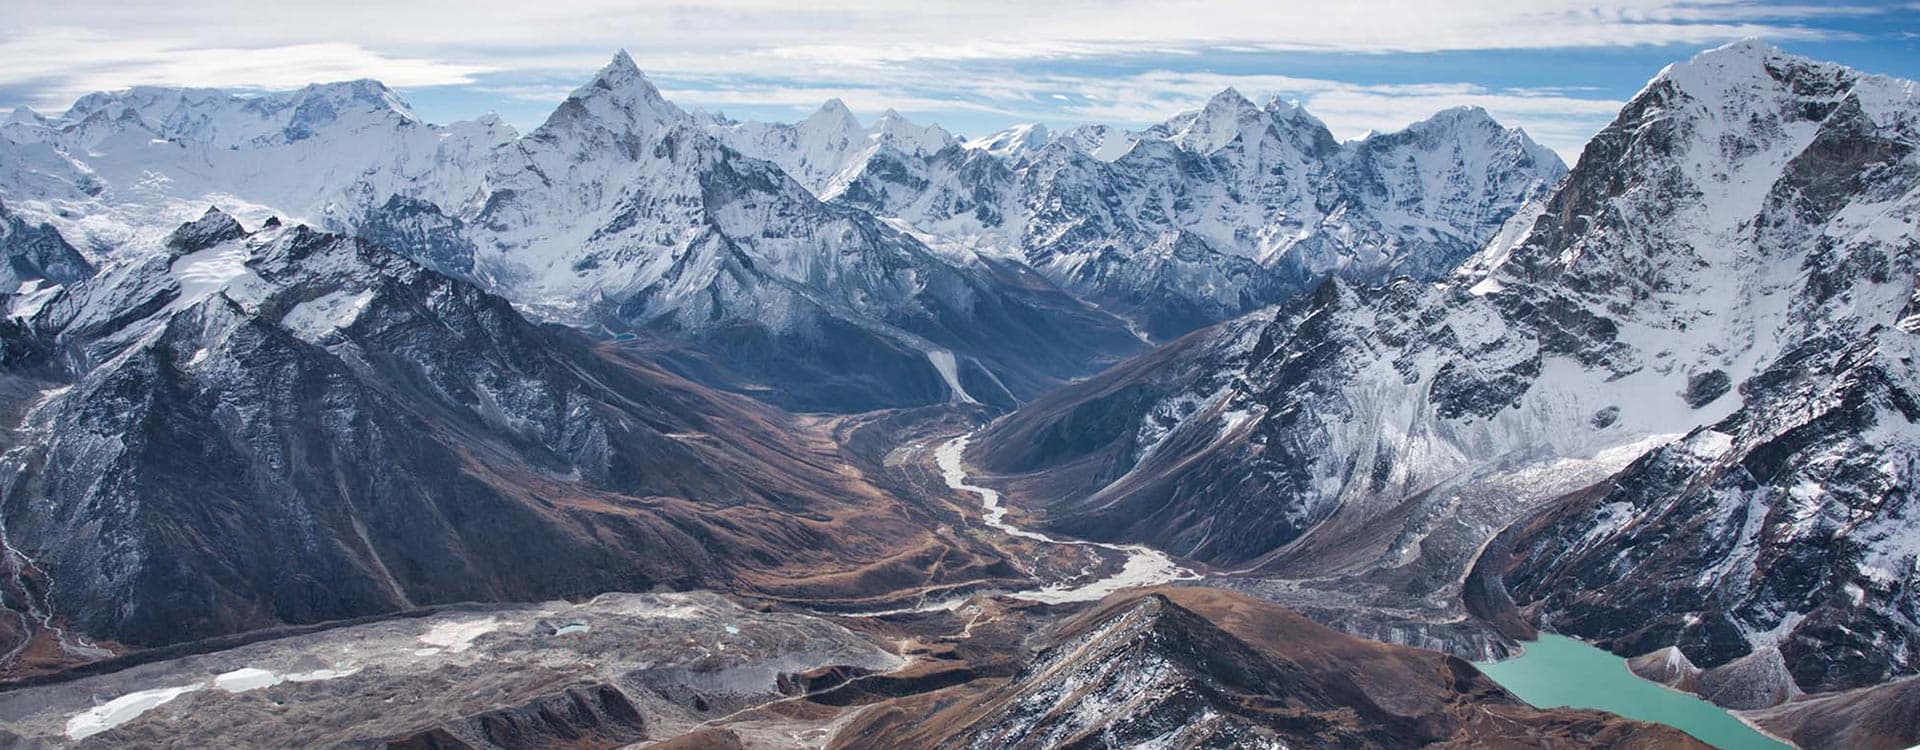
column 1558, row 671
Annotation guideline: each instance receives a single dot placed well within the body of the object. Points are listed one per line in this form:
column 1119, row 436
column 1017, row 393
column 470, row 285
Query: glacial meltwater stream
column 1559, row 671
column 1144, row 566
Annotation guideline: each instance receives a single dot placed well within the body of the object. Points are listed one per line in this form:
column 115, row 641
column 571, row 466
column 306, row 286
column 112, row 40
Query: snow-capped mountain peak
column 25, row 115
column 1734, row 60
column 618, row 98
column 1224, row 118
column 1465, row 115
column 1469, row 128
column 362, row 92
column 1294, row 115
column 895, row 130
column 1729, row 123
column 1103, row 142
column 1228, row 99
column 1731, row 261
column 832, row 116
column 1014, row 142
column 623, row 204
column 216, row 117
column 812, row 151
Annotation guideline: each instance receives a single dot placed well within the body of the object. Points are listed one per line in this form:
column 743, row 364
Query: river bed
column 1144, row 566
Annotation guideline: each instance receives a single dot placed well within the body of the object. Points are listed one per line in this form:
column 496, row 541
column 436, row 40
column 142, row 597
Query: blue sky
column 1556, row 67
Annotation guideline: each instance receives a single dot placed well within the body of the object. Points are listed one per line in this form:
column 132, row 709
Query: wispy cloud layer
column 55, row 66
column 1001, row 57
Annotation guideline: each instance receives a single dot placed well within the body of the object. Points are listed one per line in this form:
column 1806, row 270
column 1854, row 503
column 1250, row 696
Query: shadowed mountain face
column 36, row 255
column 291, row 426
column 1202, row 668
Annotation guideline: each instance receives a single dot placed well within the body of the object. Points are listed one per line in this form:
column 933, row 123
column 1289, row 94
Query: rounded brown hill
column 1195, row 667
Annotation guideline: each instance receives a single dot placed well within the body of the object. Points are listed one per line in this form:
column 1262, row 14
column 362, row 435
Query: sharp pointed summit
column 619, row 98
column 212, row 228
column 621, row 74
column 895, row 130
column 1229, row 97
column 833, row 114
column 25, row 114
column 1225, row 118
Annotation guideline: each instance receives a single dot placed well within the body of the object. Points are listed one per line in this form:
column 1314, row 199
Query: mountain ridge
column 1724, row 273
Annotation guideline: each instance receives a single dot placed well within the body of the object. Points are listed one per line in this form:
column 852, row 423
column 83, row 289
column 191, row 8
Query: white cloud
column 931, row 55
column 63, row 64
column 772, row 35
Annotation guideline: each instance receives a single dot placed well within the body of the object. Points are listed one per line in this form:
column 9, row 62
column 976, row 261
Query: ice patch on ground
column 949, row 371
column 216, row 269
column 325, row 314
column 31, row 296
column 123, row 709
column 245, row 679
column 1709, row 445
column 456, row 637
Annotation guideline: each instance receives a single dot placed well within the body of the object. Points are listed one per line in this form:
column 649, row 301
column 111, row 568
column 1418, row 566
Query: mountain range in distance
column 648, row 425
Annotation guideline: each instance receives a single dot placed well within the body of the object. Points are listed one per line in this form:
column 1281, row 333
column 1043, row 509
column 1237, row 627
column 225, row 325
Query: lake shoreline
column 1539, row 675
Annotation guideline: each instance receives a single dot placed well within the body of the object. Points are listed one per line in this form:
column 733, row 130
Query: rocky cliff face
column 1792, row 513
column 595, row 716
column 36, row 256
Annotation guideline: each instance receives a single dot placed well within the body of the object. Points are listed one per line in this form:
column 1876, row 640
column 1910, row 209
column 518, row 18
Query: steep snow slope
column 830, row 148
column 1795, row 281
column 1013, row 142
column 813, row 150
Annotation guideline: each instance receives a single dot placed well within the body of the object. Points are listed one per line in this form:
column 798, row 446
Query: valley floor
column 686, row 669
